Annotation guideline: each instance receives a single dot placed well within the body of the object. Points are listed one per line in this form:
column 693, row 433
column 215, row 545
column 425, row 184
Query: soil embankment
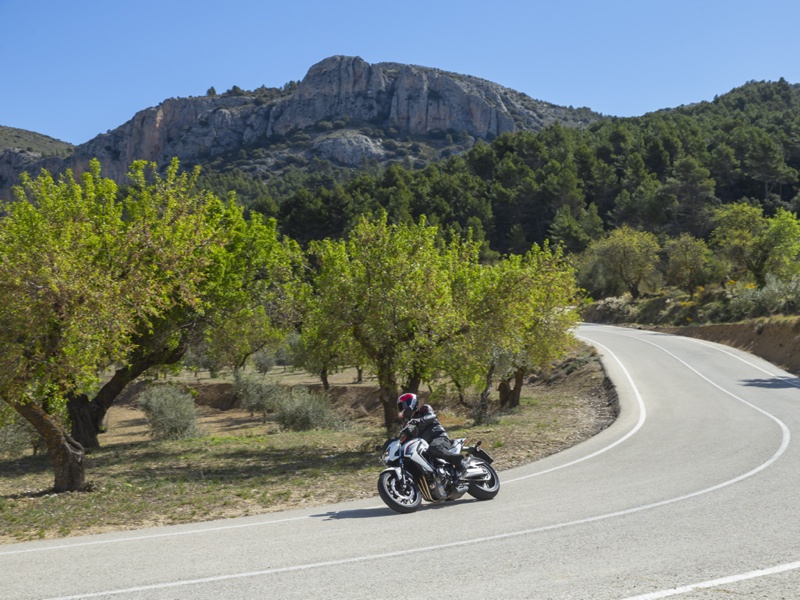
column 776, row 340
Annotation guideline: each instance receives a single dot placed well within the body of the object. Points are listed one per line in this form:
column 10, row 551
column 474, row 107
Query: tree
column 75, row 280
column 389, row 288
column 764, row 162
column 689, row 261
column 694, row 193
column 756, row 244
column 576, row 233
column 325, row 345
column 647, row 206
column 542, row 318
column 627, row 256
column 90, row 281
column 243, row 304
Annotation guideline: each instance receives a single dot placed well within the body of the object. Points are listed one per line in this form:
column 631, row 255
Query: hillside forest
column 708, row 193
column 466, row 273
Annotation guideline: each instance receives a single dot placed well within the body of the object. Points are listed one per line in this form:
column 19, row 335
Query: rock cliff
column 342, row 111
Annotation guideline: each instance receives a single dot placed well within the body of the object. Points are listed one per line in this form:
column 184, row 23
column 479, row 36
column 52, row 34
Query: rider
column 421, row 421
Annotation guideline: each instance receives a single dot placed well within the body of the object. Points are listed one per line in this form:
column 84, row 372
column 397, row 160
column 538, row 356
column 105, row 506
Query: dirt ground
column 573, row 403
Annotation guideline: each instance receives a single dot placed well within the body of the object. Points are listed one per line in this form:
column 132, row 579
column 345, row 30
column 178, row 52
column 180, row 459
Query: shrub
column 482, row 414
column 16, row 437
column 303, row 410
column 257, row 395
column 170, row 412
column 263, row 361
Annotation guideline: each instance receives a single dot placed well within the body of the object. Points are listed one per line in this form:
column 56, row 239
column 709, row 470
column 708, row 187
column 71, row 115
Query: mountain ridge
column 345, row 110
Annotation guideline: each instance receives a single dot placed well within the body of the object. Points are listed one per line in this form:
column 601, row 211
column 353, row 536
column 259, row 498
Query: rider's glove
column 412, row 426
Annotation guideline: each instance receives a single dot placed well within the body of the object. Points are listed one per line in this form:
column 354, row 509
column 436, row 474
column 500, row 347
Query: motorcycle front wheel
column 488, row 487
column 401, row 496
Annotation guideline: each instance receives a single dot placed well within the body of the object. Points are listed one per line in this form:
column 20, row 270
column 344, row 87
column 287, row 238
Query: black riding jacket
column 428, row 426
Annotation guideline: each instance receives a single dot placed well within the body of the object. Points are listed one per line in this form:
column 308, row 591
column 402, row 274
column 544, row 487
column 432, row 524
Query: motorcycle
column 412, row 475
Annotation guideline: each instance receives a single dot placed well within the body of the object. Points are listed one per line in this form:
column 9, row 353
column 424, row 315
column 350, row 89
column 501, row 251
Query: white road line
column 717, row 582
column 744, row 360
column 358, row 559
column 637, row 427
column 69, row 546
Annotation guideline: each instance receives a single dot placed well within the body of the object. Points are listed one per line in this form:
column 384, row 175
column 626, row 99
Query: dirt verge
column 774, row 339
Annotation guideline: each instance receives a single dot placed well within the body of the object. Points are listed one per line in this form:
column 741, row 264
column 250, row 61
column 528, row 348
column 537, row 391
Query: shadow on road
column 381, row 511
column 361, row 513
column 774, row 383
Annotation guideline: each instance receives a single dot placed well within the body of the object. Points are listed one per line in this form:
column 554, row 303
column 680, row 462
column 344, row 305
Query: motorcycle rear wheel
column 400, row 496
column 488, row 489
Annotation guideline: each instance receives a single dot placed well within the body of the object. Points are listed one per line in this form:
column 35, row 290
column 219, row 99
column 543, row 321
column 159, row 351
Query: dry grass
column 243, row 466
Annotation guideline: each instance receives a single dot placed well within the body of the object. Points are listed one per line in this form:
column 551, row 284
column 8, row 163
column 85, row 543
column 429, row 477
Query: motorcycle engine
column 438, row 488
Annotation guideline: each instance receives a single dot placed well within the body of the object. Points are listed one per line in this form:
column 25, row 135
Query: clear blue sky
column 73, row 70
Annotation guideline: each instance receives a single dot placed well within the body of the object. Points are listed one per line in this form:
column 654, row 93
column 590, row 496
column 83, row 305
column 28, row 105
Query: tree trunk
column 67, row 454
column 388, row 395
column 459, row 388
column 413, row 383
column 87, row 415
column 323, row 375
column 510, row 395
column 487, row 389
column 516, row 391
column 505, row 393
column 87, row 419
column 414, row 380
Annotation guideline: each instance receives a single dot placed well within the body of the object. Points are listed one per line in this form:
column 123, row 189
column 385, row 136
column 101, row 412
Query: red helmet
column 407, row 404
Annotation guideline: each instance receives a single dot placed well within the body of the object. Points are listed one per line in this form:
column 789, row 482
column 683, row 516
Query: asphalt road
column 692, row 493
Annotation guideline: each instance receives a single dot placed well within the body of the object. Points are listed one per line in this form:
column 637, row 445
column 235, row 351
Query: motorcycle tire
column 485, row 490
column 403, row 497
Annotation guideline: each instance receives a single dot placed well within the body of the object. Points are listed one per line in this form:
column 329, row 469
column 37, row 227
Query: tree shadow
column 774, row 383
column 241, row 464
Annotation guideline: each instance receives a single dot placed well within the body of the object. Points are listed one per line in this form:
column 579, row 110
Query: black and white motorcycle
column 412, row 474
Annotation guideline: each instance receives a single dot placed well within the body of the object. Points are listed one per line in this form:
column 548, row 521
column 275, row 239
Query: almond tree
column 90, row 282
column 627, row 257
column 546, row 313
column 417, row 307
column 689, row 262
column 757, row 244
column 519, row 314
column 389, row 288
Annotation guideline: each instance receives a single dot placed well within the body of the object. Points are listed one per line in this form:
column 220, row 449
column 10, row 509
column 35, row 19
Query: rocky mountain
column 11, row 137
column 345, row 111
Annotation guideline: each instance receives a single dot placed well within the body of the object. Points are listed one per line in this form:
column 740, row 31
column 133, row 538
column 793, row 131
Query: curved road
column 693, row 493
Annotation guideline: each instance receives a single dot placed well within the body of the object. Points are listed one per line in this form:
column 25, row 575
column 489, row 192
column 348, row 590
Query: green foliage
column 690, row 263
column 775, row 297
column 755, row 244
column 93, row 278
column 263, row 360
column 626, row 260
column 412, row 306
column 170, row 412
column 258, row 396
column 302, row 410
column 17, row 437
column 389, row 287
column 663, row 173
